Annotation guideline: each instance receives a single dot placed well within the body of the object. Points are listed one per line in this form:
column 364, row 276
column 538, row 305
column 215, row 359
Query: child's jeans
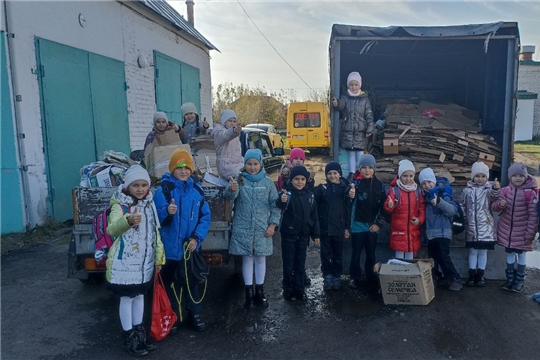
column 439, row 250
column 293, row 254
column 360, row 241
column 332, row 255
column 167, row 274
column 354, row 159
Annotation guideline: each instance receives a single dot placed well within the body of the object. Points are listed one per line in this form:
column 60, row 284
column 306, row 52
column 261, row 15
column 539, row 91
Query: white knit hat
column 226, row 115
column 354, row 76
column 160, row 115
column 134, row 173
column 405, row 165
column 479, row 168
column 427, row 175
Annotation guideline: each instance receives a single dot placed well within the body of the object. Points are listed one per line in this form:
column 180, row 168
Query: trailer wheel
column 94, row 279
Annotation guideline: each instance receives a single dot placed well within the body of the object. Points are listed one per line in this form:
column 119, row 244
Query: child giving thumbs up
column 171, row 209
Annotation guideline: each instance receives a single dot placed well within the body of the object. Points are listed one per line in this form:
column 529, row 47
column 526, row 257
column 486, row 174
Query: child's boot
column 328, row 282
column 260, row 298
column 336, row 282
column 248, row 304
column 479, row 280
column 472, row 277
column 510, row 276
column 131, row 343
column 143, row 341
column 519, row 279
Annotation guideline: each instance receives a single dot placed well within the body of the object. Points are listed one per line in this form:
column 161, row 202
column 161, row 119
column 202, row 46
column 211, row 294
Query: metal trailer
column 88, row 202
column 474, row 66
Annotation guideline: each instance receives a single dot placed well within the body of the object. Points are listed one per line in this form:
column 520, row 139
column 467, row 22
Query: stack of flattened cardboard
column 446, row 138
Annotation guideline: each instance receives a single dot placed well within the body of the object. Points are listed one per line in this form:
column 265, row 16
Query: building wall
column 523, row 129
column 111, row 29
column 529, row 79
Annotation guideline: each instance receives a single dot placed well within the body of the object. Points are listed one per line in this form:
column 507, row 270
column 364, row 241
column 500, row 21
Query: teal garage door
column 84, row 113
column 176, row 83
column 11, row 207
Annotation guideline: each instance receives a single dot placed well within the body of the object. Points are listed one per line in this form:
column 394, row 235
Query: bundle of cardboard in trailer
column 446, row 138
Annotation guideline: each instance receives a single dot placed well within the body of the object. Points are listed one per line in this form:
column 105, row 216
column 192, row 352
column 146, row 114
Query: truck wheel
column 94, row 279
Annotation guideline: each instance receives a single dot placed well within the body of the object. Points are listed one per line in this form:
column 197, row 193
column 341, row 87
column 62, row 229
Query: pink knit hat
column 297, row 153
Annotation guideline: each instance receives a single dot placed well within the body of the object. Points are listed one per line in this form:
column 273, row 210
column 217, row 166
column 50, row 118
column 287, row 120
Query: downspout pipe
column 509, row 109
column 23, row 167
column 335, row 69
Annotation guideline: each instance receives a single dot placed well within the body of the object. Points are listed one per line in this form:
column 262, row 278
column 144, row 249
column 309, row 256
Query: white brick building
column 85, row 73
column 529, row 80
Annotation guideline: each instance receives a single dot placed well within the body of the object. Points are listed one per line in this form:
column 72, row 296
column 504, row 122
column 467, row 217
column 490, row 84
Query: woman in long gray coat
column 356, row 120
column 255, row 219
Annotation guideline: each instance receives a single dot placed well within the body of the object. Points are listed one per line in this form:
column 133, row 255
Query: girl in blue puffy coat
column 255, row 219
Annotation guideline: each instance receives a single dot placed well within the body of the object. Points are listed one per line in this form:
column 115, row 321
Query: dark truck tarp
column 421, row 31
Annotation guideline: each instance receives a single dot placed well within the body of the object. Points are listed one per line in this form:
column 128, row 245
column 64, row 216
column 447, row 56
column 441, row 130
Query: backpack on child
column 102, row 240
column 528, row 194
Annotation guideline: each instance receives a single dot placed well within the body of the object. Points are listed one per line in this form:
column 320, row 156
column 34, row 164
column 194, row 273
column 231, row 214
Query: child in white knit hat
column 356, row 120
column 405, row 203
column 135, row 254
column 477, row 199
column 161, row 126
column 229, row 160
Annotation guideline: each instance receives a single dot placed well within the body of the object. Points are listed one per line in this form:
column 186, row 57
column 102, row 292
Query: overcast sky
column 300, row 31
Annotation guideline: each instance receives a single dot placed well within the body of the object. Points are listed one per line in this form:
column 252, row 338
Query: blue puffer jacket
column 192, row 220
column 439, row 217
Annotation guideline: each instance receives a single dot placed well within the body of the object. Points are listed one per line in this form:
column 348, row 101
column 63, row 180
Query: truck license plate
column 299, row 137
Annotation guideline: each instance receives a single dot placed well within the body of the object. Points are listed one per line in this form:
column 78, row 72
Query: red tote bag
column 163, row 316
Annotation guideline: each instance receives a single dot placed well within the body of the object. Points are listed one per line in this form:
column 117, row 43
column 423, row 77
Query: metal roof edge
column 525, row 95
column 529, row 63
column 167, row 12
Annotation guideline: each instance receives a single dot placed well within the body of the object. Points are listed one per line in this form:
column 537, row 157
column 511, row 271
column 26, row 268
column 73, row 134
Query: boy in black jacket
column 334, row 201
column 299, row 222
column 368, row 217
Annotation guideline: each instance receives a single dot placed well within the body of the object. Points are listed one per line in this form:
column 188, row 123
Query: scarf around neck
column 254, row 178
column 408, row 188
column 353, row 94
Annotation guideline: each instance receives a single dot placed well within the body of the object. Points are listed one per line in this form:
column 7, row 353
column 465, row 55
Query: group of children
column 154, row 232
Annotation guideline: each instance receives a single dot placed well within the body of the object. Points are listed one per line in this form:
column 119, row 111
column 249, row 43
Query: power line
column 277, row 52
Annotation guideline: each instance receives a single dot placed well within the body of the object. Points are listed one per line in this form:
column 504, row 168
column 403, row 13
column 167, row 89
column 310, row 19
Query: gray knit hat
column 188, row 107
column 160, row 115
column 367, row 160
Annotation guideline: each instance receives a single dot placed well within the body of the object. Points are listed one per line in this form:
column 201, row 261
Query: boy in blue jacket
column 440, row 211
column 184, row 217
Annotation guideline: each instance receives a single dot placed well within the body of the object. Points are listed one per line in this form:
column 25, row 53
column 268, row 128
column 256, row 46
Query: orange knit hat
column 181, row 158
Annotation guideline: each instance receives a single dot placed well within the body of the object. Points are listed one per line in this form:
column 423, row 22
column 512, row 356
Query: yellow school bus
column 308, row 126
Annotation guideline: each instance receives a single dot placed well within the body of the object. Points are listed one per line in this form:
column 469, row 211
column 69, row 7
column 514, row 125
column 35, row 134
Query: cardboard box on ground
column 403, row 284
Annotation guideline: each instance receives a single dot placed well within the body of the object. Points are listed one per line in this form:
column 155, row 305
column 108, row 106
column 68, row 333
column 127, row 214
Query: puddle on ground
column 533, row 259
column 449, row 344
column 247, row 327
column 356, row 308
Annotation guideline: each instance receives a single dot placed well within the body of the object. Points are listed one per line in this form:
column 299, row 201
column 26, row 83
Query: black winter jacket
column 299, row 218
column 333, row 207
column 369, row 201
